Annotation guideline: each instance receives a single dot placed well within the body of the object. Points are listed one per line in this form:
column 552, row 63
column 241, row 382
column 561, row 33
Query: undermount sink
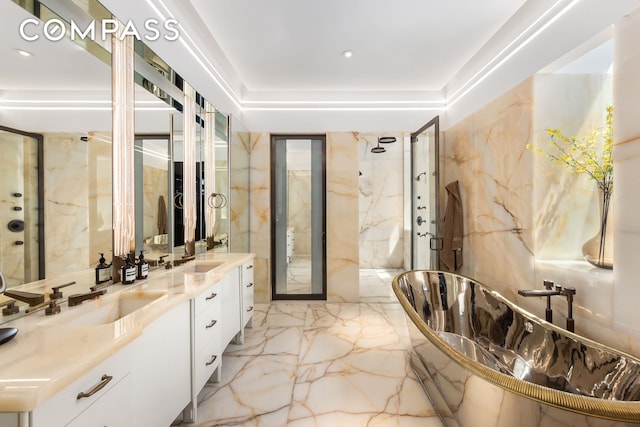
column 202, row 267
column 107, row 309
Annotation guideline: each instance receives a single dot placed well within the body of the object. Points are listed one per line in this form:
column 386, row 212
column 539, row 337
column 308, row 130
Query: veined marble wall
column 100, row 200
column 575, row 104
column 381, row 202
column 239, row 195
column 486, row 153
column 77, row 201
column 298, row 210
column 342, row 217
column 520, row 208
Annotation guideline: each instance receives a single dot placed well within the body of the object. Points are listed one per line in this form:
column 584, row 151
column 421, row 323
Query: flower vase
column 598, row 250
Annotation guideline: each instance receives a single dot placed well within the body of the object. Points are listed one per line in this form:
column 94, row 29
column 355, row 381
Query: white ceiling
column 401, row 45
column 62, row 87
column 276, row 65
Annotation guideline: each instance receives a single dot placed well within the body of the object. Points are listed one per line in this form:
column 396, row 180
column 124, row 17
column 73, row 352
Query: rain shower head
column 386, row 139
column 383, row 140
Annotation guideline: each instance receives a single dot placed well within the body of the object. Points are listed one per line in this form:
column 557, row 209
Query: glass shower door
column 425, row 237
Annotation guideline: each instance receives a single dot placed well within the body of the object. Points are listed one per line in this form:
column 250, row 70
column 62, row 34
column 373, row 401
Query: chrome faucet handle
column 568, row 290
column 548, row 284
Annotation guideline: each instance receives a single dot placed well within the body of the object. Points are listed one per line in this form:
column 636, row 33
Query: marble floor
column 321, row 364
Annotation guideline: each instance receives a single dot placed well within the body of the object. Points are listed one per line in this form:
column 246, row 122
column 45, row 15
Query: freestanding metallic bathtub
column 485, row 362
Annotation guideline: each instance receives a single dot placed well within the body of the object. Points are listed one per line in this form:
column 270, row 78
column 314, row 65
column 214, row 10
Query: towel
column 451, row 252
column 162, row 216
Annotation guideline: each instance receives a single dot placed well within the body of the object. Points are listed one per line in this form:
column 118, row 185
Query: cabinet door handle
column 212, row 296
column 250, row 308
column 213, row 359
column 249, row 267
column 103, row 382
column 210, row 325
column 250, row 285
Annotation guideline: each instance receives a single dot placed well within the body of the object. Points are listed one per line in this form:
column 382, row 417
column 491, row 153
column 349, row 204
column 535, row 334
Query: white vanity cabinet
column 101, row 397
column 246, row 284
column 207, row 345
column 161, row 374
column 231, row 307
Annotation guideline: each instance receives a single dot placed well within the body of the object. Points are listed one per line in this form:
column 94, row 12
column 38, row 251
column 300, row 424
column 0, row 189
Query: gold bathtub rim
column 613, row 410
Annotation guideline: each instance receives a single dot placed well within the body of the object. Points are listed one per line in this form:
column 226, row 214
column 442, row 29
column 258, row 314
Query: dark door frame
column 273, row 200
column 40, row 161
column 414, row 138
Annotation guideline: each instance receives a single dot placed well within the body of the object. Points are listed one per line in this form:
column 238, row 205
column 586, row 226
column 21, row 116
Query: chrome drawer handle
column 249, row 267
column 210, row 325
column 213, row 359
column 250, row 308
column 249, row 285
column 103, row 382
column 212, row 296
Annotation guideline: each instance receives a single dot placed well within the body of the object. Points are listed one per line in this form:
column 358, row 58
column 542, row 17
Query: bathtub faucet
column 549, row 291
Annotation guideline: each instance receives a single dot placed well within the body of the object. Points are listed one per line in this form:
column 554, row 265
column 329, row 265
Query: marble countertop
column 50, row 352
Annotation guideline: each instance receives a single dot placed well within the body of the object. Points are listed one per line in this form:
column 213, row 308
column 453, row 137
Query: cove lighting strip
column 480, row 78
column 75, row 105
column 425, row 105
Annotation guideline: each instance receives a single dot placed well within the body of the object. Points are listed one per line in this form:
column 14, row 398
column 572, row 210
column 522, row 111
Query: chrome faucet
column 550, row 291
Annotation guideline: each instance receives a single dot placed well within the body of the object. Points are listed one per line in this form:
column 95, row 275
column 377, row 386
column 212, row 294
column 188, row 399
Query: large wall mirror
column 55, row 203
column 55, row 131
column 158, row 148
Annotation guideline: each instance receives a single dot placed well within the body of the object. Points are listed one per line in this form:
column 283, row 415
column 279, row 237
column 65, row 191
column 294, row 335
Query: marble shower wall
column 19, row 174
column 381, row 202
column 342, row 217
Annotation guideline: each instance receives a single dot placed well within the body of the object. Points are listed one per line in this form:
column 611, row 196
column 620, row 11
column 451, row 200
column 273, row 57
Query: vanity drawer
column 97, row 382
column 207, row 360
column 247, row 293
column 208, row 325
column 209, row 297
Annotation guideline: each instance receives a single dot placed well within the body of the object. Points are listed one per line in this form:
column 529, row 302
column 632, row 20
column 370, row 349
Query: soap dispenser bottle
column 103, row 270
column 128, row 271
column 143, row 267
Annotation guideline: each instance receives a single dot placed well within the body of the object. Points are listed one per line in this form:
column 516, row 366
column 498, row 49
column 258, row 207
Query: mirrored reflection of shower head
column 419, row 175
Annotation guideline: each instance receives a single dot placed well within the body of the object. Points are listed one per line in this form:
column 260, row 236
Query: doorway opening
column 298, row 217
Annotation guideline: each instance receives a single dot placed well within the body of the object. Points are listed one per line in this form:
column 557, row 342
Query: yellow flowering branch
column 582, row 154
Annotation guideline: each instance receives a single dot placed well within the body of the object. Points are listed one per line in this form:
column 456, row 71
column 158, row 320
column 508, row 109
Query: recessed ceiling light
column 24, row 52
column 347, row 53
